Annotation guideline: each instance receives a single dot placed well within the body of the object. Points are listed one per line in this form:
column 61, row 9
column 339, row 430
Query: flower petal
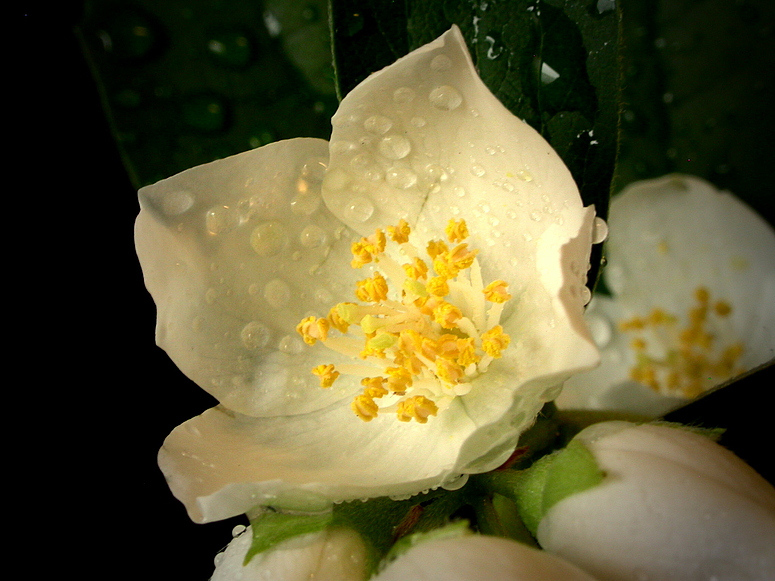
column 221, row 464
column 669, row 237
column 235, row 253
column 479, row 558
column 331, row 555
column 673, row 234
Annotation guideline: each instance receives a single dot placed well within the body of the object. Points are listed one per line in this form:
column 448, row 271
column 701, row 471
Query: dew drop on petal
column 377, row 124
column 441, row 63
column 277, row 293
column 305, row 204
column 358, row 210
column 418, row 122
column 477, row 170
column 312, row 236
column 599, row 230
column 445, row 98
column 268, row 238
column 290, row 345
column 175, row 203
column 255, row 335
column 221, row 219
column 401, row 178
column 395, row 147
column 403, row 95
column 314, row 170
column 586, row 294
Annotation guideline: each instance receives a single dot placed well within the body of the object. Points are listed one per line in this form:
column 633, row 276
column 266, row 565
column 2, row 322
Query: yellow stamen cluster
column 688, row 361
column 427, row 342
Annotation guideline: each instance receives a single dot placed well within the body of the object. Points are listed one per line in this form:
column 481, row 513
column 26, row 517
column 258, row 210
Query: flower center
column 421, row 346
column 684, row 362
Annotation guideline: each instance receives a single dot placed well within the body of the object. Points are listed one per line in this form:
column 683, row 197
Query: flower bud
column 673, row 504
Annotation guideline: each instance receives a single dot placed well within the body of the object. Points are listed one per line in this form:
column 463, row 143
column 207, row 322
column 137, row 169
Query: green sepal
column 271, row 528
column 548, row 481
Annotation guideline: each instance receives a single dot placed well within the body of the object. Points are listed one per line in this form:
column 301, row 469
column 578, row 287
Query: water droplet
column 395, row 147
column 255, row 335
column 174, row 203
column 365, row 165
column 237, row 531
column 441, row 63
column 312, row 236
column 277, row 293
column 314, row 170
column 599, row 230
column 400, row 177
column 377, row 124
column 436, row 173
column 290, row 345
column 305, row 204
column 341, row 146
column 445, row 98
column 535, row 215
column 210, row 296
column 403, row 95
column 418, row 122
column 459, row 191
column 586, row 295
column 477, row 170
column 268, row 238
column 358, row 210
column 221, row 219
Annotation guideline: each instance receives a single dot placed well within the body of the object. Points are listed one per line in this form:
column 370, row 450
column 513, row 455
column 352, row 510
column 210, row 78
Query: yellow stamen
column 313, row 329
column 326, row 373
column 418, row 408
column 426, row 343
column 495, row 292
column 456, row 230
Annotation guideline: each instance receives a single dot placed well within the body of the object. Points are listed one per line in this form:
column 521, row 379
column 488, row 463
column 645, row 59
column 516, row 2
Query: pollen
column 425, row 328
column 685, row 357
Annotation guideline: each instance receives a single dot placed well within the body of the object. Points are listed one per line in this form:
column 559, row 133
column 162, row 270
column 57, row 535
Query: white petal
column 668, row 237
column 222, row 464
column 235, row 253
column 673, row 234
column 331, row 555
column 674, row 505
column 425, row 140
column 479, row 558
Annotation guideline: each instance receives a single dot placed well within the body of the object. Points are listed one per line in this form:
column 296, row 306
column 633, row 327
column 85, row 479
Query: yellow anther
column 447, row 315
column 349, row 313
column 632, row 324
column 436, row 247
column 660, row 317
column 398, row 379
column 417, row 269
column 335, row 319
column 495, row 341
column 638, row 344
column 496, row 291
column 361, row 256
column 400, row 233
column 326, row 373
column 456, row 230
column 418, row 408
column 364, row 407
column 467, row 352
column 447, row 347
column 382, row 341
column 722, row 308
column 448, row 371
column 702, row 295
column 437, row 286
column 374, row 387
column 372, row 289
column 313, row 329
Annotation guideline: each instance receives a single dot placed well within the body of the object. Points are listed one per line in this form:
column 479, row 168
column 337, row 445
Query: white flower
column 249, row 262
column 692, row 276
column 673, row 505
column 331, row 555
column 479, row 558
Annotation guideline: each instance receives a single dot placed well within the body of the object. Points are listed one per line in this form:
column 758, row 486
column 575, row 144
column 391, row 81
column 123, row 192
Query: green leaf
column 553, row 63
column 271, row 528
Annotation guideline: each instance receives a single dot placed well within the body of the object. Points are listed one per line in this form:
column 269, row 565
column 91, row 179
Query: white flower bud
column 673, row 505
